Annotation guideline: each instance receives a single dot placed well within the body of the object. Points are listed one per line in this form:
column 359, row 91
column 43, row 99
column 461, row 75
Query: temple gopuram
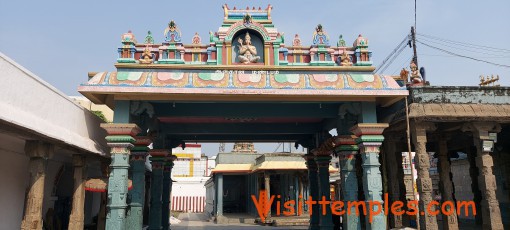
column 242, row 84
column 246, row 82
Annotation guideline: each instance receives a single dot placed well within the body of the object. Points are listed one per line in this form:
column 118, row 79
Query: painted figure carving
column 149, row 39
column 319, row 36
column 146, row 57
column 415, row 76
column 172, row 33
column 404, row 74
column 297, row 41
column 341, row 41
column 346, row 59
column 196, row 39
column 247, row 52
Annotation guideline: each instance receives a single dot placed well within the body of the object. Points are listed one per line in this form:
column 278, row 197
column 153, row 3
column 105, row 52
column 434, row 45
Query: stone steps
column 291, row 222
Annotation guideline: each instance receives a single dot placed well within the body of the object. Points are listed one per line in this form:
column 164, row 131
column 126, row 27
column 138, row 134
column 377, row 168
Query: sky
column 61, row 41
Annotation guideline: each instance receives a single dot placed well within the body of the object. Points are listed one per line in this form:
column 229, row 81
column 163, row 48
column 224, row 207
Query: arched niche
column 256, row 40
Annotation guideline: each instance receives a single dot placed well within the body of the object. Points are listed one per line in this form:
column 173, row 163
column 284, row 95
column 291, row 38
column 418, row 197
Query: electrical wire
column 469, row 50
column 463, row 56
column 407, row 61
column 392, row 59
column 465, row 44
column 439, row 55
column 277, row 147
column 398, row 49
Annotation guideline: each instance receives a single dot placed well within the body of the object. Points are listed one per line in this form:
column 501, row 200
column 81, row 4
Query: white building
column 190, row 161
column 190, row 172
column 48, row 145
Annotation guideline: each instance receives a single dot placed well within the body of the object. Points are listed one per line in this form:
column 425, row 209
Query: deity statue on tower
column 247, row 52
column 147, row 57
column 341, row 41
column 415, row 76
column 172, row 33
column 346, row 59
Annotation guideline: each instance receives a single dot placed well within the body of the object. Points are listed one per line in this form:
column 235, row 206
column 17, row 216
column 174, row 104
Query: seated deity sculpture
column 247, row 52
column 146, row 57
column 346, row 59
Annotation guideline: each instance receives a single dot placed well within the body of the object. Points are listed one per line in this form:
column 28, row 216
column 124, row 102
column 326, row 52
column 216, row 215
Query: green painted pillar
column 314, row 190
column 219, row 53
column 167, row 186
column 369, row 140
column 276, row 50
column 348, row 150
column 137, row 193
column 325, row 220
column 120, row 138
column 157, row 161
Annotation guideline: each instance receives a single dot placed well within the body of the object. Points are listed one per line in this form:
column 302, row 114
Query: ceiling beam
column 247, row 110
column 238, row 137
column 241, row 128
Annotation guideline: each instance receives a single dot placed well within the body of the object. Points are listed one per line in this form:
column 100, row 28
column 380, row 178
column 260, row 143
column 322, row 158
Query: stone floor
column 197, row 221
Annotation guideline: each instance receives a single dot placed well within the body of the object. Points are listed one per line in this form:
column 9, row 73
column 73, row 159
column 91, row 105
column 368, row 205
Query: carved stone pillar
column 348, row 150
column 120, row 138
column 392, row 167
column 369, row 140
column 423, row 182
column 449, row 221
column 219, row 195
column 137, row 193
column 167, row 187
column 325, row 219
column 157, row 161
column 101, row 216
column 311, row 165
column 267, row 185
column 473, row 174
column 491, row 214
column 39, row 152
column 76, row 219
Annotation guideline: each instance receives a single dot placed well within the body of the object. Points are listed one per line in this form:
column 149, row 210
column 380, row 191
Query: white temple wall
column 14, row 178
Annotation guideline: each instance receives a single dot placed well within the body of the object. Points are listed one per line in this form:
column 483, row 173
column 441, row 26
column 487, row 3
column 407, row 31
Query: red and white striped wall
column 188, row 203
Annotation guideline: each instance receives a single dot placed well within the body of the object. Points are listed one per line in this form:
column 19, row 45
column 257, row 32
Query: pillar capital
column 121, row 129
column 140, row 149
column 347, row 148
column 326, row 148
column 323, row 161
column 169, row 162
column 420, row 130
column 362, row 129
column 36, row 148
column 142, row 141
column 481, row 130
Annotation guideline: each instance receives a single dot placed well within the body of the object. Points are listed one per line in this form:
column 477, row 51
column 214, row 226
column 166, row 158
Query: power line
column 469, row 50
column 398, row 49
column 439, row 55
column 465, row 44
column 406, row 62
column 392, row 59
column 460, row 55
